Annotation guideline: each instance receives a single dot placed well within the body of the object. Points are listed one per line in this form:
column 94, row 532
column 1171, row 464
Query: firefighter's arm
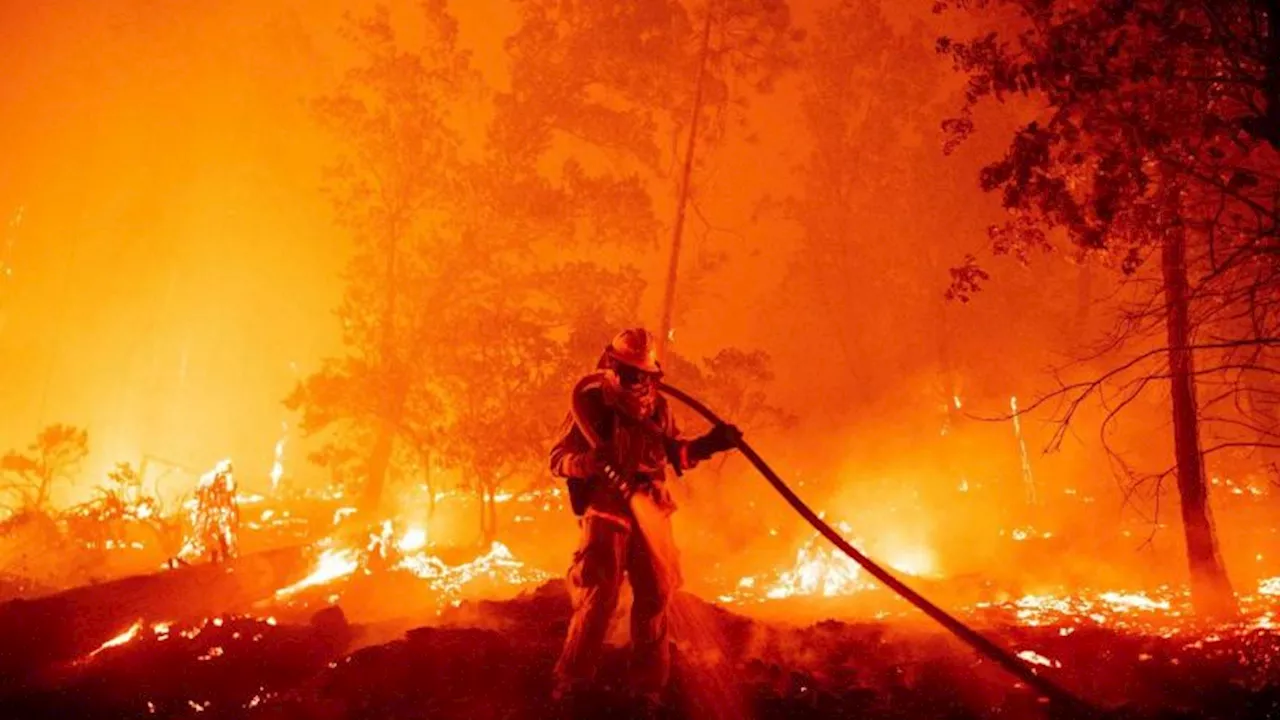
column 572, row 456
column 685, row 454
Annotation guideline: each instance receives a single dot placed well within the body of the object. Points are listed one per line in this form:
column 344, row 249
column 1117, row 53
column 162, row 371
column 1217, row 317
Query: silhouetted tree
column 1156, row 154
column 480, row 286
column 651, row 86
column 394, row 186
column 27, row 479
column 871, row 96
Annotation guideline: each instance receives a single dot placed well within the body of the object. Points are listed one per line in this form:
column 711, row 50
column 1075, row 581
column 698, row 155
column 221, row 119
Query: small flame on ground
column 414, row 539
column 408, row 553
column 120, row 639
column 1270, row 586
column 828, row 572
column 1036, row 658
column 333, row 564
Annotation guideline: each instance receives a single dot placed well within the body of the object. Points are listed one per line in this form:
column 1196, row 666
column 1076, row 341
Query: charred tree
column 1210, row 588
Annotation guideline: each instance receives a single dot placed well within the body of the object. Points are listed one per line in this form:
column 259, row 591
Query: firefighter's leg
column 653, row 567
column 594, row 581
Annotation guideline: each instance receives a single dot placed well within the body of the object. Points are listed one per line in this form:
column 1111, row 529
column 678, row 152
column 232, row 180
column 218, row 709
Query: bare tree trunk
column 1211, row 591
column 668, row 298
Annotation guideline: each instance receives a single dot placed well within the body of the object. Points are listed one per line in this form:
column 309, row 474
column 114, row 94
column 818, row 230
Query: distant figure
column 216, row 517
column 618, row 442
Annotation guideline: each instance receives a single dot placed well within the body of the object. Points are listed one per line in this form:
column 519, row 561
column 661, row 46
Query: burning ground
column 305, row 632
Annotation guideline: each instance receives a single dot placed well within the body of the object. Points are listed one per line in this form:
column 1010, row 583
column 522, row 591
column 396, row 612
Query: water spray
column 1056, row 694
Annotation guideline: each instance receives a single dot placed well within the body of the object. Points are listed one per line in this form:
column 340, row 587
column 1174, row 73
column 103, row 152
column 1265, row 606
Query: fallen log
column 39, row 632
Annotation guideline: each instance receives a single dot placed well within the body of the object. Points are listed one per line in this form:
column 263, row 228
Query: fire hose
column 1012, row 664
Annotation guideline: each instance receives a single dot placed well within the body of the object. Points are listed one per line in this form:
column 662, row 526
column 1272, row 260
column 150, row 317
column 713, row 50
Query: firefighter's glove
column 718, row 439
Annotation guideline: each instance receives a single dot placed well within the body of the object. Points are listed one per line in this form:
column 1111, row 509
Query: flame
column 827, row 572
column 817, row 571
column 1028, row 479
column 1036, row 658
column 916, row 562
column 333, row 564
column 414, row 539
column 1122, row 602
column 498, row 564
column 277, row 467
column 407, row 553
column 121, row 639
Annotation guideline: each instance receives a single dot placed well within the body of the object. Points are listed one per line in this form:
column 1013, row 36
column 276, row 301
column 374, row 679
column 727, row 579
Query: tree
column 741, row 40
column 397, row 181
column 468, row 284
column 608, row 83
column 475, row 294
column 733, row 383
column 871, row 96
column 1156, row 146
column 27, row 479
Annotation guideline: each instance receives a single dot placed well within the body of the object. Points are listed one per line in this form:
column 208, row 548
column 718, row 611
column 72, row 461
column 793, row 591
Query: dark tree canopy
column 1154, row 151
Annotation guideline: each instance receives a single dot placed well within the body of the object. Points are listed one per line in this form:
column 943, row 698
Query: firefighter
column 617, row 443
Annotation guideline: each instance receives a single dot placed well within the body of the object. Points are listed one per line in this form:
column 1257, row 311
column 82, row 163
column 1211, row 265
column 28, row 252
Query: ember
column 120, row 639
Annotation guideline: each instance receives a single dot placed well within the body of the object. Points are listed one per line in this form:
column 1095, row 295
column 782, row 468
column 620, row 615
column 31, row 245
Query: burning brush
column 407, row 553
column 215, row 517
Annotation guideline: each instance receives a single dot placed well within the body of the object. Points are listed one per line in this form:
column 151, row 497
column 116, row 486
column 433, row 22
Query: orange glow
column 227, row 230
column 331, row 565
column 129, row 634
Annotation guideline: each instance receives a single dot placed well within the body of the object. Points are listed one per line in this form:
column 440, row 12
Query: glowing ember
column 1270, row 586
column 498, row 565
column 1036, row 658
column 1120, row 602
column 121, row 639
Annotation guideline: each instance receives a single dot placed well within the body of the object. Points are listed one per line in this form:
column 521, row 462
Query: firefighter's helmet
column 637, row 348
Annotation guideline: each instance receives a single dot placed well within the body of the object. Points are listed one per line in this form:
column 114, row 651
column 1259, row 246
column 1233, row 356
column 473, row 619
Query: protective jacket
column 640, row 450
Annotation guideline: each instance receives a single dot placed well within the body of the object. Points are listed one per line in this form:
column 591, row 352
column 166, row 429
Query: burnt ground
column 489, row 660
